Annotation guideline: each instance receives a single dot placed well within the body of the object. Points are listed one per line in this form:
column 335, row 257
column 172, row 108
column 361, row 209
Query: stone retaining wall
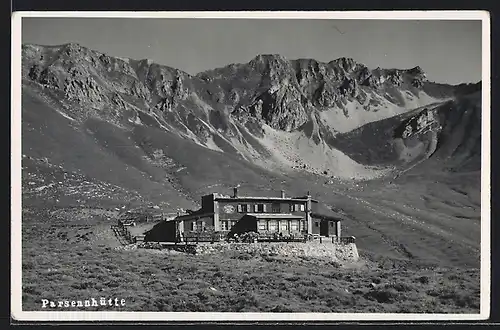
column 334, row 251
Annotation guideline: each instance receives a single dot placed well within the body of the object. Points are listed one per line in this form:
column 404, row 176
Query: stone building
column 295, row 216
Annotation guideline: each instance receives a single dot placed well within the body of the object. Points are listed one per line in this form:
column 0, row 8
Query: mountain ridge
column 249, row 109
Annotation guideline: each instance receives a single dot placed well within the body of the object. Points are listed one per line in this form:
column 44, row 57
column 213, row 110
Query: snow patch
column 124, row 59
column 212, row 145
column 64, row 114
column 136, row 120
column 296, row 149
column 357, row 116
column 44, row 187
column 155, row 117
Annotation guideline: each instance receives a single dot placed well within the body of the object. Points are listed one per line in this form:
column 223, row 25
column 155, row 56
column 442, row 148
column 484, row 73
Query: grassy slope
column 417, row 217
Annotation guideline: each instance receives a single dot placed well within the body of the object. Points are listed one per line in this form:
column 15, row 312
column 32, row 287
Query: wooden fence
column 123, row 231
column 199, row 237
column 212, row 237
column 344, row 239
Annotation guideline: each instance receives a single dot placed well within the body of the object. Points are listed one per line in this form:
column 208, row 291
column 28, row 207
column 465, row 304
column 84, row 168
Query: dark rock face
column 44, row 76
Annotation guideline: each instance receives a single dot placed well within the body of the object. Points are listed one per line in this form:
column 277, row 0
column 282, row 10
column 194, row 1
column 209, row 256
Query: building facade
column 237, row 214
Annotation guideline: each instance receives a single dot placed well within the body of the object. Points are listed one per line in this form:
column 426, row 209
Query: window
column 262, row 225
column 294, row 225
column 261, row 208
column 316, row 223
column 227, row 225
column 193, row 226
column 284, row 225
column 276, row 208
column 331, row 223
column 302, row 207
column 255, row 208
column 273, row 225
column 302, row 225
column 243, row 208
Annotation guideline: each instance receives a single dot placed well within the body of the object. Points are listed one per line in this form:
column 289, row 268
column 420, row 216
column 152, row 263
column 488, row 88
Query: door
column 323, row 228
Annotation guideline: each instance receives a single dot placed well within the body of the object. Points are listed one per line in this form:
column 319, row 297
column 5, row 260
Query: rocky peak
column 73, row 48
column 417, row 76
column 272, row 66
column 395, row 77
column 267, row 59
column 29, row 50
column 345, row 63
column 416, row 70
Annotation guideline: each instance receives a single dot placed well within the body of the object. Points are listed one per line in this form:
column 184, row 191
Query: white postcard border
column 16, row 207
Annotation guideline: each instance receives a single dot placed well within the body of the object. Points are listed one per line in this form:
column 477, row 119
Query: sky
column 448, row 51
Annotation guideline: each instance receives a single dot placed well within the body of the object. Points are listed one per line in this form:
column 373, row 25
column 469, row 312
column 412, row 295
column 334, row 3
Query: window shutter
column 249, row 209
column 264, row 208
column 256, row 208
column 239, row 208
column 291, row 207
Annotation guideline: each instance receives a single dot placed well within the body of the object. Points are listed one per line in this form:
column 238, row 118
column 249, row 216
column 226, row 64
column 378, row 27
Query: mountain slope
column 248, row 110
column 113, row 132
column 449, row 134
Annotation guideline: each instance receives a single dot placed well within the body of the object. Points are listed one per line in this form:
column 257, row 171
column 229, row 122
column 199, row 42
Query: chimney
column 235, row 191
column 282, row 194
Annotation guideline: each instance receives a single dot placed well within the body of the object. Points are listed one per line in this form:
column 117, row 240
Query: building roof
column 262, row 198
column 197, row 214
column 330, row 216
column 274, row 216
